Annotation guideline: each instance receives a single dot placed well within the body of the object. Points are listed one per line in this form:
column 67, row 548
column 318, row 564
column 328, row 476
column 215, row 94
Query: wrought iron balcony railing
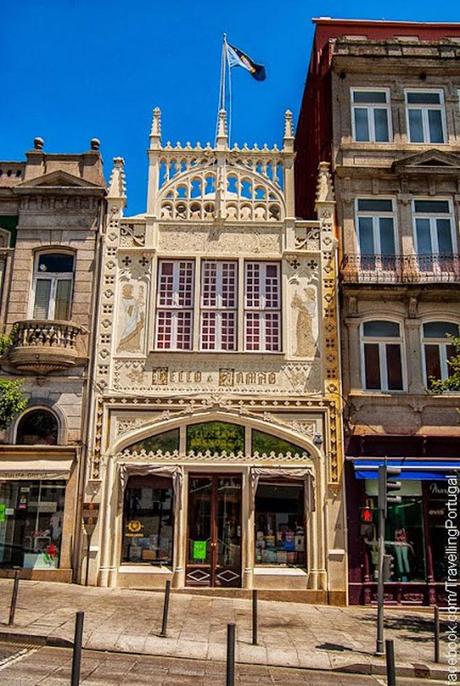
column 400, row 269
column 42, row 346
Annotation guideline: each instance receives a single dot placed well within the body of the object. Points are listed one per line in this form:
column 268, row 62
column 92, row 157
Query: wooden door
column 214, row 531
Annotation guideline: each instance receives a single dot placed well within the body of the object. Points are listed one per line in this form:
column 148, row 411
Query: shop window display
column 148, row 521
column 280, row 524
column 31, row 517
column 404, row 537
column 266, row 443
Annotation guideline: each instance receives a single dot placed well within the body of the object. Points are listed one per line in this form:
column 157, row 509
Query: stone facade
column 406, row 277
column 51, row 207
column 234, row 207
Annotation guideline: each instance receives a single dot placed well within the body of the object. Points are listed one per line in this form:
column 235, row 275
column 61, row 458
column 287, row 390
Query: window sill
column 279, row 570
column 216, row 352
column 143, row 568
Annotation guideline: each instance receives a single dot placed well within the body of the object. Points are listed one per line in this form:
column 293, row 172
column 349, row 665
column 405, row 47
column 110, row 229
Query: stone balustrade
column 42, row 346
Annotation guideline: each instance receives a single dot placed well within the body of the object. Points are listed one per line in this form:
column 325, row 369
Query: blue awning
column 427, row 469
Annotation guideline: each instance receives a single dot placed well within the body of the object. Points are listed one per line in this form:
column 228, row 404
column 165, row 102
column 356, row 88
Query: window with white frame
column 438, row 349
column 52, row 286
column 371, row 115
column 174, row 317
column 425, row 116
column 382, row 362
column 219, row 301
column 433, row 227
column 376, row 233
column 262, row 304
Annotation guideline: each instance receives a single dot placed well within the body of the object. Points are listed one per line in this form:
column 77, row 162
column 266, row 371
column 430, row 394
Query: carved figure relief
column 304, row 303
column 132, row 317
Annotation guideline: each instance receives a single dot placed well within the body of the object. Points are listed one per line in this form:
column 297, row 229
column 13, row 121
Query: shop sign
column 134, row 529
column 2, row 512
column 199, row 550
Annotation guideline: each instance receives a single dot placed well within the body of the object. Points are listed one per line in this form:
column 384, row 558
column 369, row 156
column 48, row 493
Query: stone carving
column 233, row 241
column 132, row 235
column 142, row 456
column 305, row 306
column 304, row 427
column 132, row 317
column 197, row 375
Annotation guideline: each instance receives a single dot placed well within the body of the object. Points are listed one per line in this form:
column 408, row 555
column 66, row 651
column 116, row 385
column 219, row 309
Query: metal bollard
column 14, row 598
column 164, row 624
column 254, row 618
column 390, row 658
column 230, row 655
column 76, row 653
column 436, row 633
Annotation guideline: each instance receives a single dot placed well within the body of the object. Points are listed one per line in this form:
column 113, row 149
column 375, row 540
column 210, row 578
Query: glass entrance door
column 214, row 531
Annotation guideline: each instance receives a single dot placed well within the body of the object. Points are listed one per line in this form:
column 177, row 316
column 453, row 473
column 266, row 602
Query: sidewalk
column 290, row 634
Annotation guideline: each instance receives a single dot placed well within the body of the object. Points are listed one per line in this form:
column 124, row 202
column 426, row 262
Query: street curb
column 418, row 671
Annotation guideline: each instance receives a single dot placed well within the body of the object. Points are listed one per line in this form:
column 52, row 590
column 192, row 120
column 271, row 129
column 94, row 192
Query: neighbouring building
column 216, row 447
column 51, row 215
column 382, row 105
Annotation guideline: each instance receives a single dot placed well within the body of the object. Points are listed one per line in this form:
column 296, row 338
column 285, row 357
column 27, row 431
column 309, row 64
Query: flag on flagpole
column 238, row 58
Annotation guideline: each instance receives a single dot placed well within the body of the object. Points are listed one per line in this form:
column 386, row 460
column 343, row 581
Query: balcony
column 42, row 346
column 400, row 269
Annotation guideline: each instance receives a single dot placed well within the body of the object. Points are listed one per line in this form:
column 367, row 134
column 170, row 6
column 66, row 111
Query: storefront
column 218, row 517
column 36, row 503
column 415, row 563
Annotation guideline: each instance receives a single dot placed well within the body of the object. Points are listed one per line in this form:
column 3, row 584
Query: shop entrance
column 214, row 531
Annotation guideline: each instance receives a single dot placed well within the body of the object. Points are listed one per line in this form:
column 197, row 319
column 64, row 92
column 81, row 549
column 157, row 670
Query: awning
column 304, row 474
column 172, row 471
column 427, row 469
column 27, row 469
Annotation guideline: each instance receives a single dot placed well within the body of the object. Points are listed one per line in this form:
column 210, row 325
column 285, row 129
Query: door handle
column 213, row 545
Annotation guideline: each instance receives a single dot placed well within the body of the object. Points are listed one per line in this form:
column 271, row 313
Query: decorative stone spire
column 155, row 133
column 324, row 187
column 222, row 130
column 288, row 133
column 117, row 185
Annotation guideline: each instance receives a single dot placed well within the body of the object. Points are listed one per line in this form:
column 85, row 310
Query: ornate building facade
column 382, row 104
column 51, row 218
column 216, row 446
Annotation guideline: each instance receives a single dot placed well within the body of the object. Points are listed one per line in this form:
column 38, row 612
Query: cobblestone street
column 51, row 667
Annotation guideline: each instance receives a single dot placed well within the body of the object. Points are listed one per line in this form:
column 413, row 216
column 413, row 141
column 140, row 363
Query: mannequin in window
column 401, row 547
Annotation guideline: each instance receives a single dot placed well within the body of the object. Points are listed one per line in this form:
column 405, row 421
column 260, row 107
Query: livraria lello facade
column 51, row 218
column 217, row 455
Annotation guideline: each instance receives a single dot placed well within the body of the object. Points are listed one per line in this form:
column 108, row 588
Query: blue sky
column 75, row 69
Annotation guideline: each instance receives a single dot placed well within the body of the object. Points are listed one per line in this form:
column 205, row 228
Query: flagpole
column 223, row 66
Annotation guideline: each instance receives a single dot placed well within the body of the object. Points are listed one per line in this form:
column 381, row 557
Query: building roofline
column 374, row 23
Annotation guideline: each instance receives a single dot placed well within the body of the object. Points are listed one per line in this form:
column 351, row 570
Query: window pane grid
column 382, row 356
column 175, row 292
column 219, row 292
column 262, row 300
column 371, row 116
column 425, row 116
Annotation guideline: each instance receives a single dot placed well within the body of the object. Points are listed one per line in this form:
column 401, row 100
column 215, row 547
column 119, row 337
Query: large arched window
column 382, row 362
column 37, row 427
column 438, row 349
column 52, row 285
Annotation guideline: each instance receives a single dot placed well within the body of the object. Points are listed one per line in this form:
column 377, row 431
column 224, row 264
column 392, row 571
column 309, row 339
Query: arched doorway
column 244, row 502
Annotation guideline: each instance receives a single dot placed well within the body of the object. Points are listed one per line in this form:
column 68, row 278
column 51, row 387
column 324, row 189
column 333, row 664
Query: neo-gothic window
column 426, row 116
column 174, row 325
column 376, row 233
column 371, row 115
column 438, row 349
column 219, row 302
column 382, row 356
column 262, row 316
column 433, row 226
column 52, row 286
